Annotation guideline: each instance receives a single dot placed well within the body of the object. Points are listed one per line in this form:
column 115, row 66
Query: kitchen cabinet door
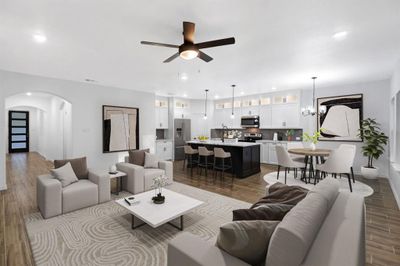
column 162, row 118
column 285, row 115
column 265, row 117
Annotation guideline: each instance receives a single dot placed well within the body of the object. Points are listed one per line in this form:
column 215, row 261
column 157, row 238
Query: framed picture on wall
column 120, row 128
column 342, row 118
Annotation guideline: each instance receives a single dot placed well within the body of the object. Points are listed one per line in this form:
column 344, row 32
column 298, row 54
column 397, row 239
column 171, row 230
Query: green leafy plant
column 374, row 140
column 312, row 138
column 290, row 132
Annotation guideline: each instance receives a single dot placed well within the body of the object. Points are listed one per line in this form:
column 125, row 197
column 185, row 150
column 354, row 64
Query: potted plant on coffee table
column 374, row 146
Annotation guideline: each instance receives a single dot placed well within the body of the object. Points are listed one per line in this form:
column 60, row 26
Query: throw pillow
column 272, row 212
column 150, row 161
column 137, row 157
column 65, row 174
column 246, row 240
column 79, row 166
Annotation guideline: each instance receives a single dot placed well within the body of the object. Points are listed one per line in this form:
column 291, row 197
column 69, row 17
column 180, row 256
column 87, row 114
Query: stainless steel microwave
column 250, row 121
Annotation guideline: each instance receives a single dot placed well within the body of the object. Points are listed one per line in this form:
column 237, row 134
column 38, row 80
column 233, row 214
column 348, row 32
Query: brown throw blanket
column 283, row 194
column 280, row 200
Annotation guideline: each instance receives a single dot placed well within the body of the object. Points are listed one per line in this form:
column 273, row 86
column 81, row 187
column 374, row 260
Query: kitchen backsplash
column 266, row 133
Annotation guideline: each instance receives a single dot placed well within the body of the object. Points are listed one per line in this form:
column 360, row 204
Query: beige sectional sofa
column 326, row 228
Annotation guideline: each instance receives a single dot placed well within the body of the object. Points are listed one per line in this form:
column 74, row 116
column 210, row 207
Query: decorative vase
column 158, row 199
column 312, row 146
column 369, row 173
column 113, row 168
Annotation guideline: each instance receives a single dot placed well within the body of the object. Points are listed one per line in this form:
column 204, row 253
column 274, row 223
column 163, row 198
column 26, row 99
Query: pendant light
column 310, row 110
column 233, row 102
column 205, row 106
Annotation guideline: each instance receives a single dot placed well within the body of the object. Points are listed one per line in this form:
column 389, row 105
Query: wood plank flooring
column 383, row 215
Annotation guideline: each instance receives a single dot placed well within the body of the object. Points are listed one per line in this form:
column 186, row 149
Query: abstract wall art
column 120, row 128
column 342, row 118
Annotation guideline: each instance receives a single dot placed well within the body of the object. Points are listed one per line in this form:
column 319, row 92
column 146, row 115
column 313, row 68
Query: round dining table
column 310, row 156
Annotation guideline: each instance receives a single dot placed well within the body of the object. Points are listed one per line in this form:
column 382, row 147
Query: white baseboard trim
column 395, row 169
column 4, row 187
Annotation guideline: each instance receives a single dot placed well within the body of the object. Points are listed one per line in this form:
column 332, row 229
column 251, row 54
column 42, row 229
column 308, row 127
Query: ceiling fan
column 189, row 50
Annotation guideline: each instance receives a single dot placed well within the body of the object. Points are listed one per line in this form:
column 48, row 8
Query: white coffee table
column 118, row 177
column 175, row 206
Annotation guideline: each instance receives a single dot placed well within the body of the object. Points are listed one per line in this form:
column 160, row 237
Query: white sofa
column 140, row 179
column 326, row 228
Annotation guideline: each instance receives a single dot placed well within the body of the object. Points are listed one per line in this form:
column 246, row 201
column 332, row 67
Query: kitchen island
column 245, row 155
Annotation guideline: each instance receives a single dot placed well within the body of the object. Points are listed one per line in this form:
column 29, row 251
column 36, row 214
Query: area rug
column 102, row 235
column 358, row 187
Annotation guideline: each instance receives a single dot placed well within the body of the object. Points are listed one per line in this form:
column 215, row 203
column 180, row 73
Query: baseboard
column 3, row 187
column 393, row 186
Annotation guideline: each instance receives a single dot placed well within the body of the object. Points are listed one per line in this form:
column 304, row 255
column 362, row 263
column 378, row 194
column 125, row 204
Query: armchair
column 140, row 179
column 53, row 199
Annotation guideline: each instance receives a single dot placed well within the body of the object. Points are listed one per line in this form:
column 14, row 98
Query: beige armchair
column 92, row 188
column 140, row 179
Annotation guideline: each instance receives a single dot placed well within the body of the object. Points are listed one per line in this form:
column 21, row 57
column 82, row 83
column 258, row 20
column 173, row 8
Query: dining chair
column 340, row 161
column 222, row 162
column 296, row 145
column 191, row 158
column 285, row 161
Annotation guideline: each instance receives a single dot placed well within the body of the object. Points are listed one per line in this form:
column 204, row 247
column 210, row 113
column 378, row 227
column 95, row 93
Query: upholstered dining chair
column 285, row 161
column 296, row 145
column 191, row 158
column 340, row 161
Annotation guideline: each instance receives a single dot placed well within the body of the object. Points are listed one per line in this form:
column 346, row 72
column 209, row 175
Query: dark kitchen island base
column 245, row 156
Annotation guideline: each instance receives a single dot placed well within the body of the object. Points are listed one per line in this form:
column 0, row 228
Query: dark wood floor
column 383, row 216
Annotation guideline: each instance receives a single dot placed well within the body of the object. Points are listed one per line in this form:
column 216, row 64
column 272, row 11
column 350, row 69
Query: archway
column 50, row 123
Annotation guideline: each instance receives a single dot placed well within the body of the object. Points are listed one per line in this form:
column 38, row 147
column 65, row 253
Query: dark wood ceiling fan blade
column 169, row 59
column 204, row 56
column 215, row 43
column 188, row 31
column 160, row 44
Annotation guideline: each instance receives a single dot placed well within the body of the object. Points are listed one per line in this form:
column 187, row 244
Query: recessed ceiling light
column 184, row 76
column 273, row 88
column 28, row 93
column 40, row 38
column 340, row 35
column 242, row 93
column 216, row 96
column 185, row 95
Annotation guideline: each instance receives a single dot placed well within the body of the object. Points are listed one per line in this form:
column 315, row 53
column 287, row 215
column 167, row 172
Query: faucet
column 224, row 129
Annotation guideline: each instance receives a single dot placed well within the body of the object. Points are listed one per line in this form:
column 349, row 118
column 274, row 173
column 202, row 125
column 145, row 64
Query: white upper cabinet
column 285, row 116
column 182, row 109
column 161, row 114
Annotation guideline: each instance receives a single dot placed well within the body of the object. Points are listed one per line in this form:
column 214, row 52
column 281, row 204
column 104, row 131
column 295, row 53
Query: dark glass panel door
column 18, row 131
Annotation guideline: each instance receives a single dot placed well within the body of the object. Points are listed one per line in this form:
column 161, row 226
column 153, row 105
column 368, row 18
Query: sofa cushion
column 150, row 160
column 246, row 240
column 79, row 165
column 149, row 174
column 137, row 156
column 79, row 195
column 272, row 211
column 328, row 188
column 293, row 237
column 65, row 174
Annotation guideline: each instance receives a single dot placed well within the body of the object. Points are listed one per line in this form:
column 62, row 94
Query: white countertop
column 226, row 143
column 275, row 141
column 163, row 140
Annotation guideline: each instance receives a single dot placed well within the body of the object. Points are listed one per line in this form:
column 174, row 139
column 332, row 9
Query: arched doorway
column 49, row 131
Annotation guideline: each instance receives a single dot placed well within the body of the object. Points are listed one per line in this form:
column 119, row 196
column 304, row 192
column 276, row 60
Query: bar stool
column 221, row 155
column 204, row 159
column 191, row 158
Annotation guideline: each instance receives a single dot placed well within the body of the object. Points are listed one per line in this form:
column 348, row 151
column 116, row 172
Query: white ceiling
column 280, row 43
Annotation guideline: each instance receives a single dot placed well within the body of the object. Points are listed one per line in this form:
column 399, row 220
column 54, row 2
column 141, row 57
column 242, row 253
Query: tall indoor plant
column 374, row 145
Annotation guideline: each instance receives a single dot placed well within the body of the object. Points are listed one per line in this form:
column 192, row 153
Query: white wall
column 201, row 126
column 87, row 100
column 3, row 128
column 376, row 105
column 394, row 176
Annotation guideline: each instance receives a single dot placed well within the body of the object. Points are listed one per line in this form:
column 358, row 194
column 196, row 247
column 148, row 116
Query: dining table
column 310, row 156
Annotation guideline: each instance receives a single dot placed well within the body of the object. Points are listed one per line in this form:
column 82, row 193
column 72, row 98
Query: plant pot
column 158, row 199
column 369, row 173
column 312, row 146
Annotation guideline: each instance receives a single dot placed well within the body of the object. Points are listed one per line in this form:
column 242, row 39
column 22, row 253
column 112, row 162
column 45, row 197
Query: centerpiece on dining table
column 158, row 183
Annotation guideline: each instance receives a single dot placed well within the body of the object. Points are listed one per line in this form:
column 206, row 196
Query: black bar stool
column 205, row 159
column 220, row 157
column 191, row 158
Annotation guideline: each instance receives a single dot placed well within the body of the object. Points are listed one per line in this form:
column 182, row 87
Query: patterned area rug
column 102, row 235
column 358, row 187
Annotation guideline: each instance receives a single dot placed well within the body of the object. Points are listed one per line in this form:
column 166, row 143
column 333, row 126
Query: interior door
column 18, row 131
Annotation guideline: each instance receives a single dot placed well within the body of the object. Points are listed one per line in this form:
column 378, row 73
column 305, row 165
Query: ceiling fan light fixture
column 189, row 54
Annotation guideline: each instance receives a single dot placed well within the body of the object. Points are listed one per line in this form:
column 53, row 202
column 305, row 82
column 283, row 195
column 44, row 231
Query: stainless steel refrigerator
column 181, row 135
